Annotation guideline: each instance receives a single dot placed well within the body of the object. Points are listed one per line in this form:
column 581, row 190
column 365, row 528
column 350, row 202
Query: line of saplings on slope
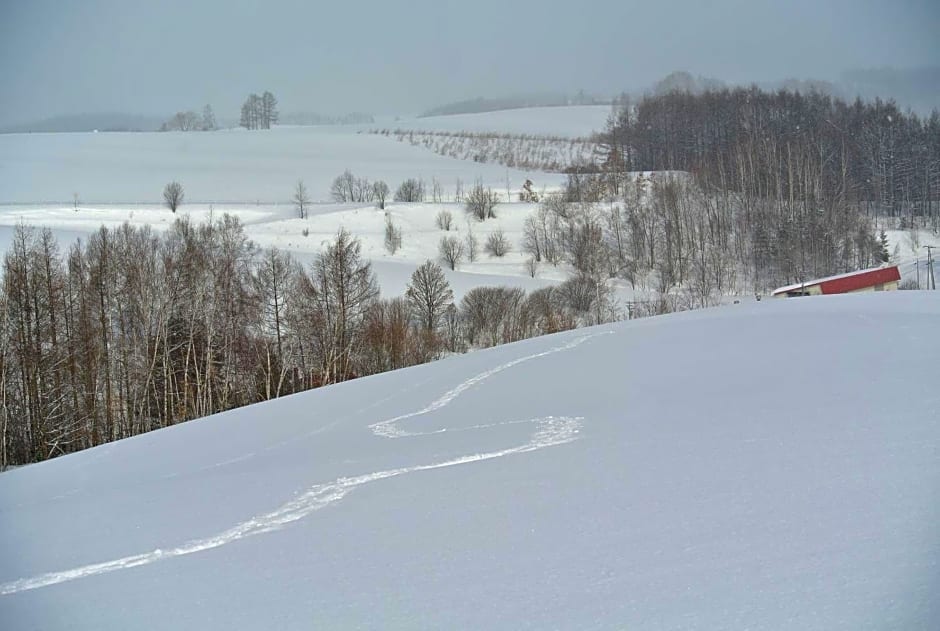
column 522, row 151
column 131, row 330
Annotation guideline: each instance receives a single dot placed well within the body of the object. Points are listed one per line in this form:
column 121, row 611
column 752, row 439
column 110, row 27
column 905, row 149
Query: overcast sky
column 157, row 57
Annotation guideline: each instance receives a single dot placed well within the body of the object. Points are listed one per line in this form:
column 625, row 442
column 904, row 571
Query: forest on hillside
column 786, row 146
column 132, row 330
column 755, row 189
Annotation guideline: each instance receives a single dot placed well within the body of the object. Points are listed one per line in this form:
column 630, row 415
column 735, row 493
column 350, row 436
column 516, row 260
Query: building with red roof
column 875, row 279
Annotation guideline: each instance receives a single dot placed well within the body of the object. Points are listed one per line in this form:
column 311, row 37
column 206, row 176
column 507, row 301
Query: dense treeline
column 131, row 330
column 787, row 146
column 753, row 189
column 667, row 234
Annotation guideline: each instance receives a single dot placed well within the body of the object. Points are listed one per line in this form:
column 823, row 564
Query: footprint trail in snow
column 549, row 431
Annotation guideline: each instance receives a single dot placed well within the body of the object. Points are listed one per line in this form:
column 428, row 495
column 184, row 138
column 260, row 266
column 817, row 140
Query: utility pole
column 931, row 278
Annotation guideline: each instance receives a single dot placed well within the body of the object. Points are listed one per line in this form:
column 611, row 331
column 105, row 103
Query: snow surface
column 655, row 474
column 226, row 165
column 576, row 121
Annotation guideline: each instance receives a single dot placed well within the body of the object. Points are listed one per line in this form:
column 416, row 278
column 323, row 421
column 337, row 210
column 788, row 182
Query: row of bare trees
column 191, row 121
column 522, row 151
column 259, row 112
column 131, row 330
column 347, row 187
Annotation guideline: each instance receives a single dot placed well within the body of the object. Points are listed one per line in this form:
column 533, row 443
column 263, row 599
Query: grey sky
column 156, row 57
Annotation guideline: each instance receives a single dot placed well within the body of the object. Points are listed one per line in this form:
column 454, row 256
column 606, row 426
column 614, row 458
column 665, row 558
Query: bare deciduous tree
column 337, row 292
column 392, row 235
column 531, row 266
column 444, row 219
column 259, row 112
column 497, row 244
column 493, row 315
column 301, row 199
column 173, row 195
column 429, row 295
column 208, row 119
column 451, row 251
column 481, row 202
column 472, row 245
column 380, row 193
column 410, row 191
column 343, row 187
column 363, row 191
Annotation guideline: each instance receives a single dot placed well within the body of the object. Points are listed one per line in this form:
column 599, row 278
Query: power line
column 931, row 277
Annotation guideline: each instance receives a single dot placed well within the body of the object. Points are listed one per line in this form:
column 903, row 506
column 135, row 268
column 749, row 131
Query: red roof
column 860, row 280
column 852, row 281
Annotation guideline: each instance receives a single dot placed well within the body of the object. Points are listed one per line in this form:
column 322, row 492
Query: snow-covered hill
column 575, row 121
column 241, row 166
column 764, row 466
column 228, row 165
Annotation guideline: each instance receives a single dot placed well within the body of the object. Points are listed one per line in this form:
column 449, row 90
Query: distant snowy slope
column 228, row 165
column 574, row 121
column 774, row 465
column 242, row 166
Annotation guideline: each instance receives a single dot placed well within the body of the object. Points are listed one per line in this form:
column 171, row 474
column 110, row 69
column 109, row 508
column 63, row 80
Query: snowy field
column 680, row 472
column 120, row 177
column 227, row 165
column 576, row 121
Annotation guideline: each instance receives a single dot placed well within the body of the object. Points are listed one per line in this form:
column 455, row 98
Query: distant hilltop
column 480, row 105
column 87, row 122
column 313, row 118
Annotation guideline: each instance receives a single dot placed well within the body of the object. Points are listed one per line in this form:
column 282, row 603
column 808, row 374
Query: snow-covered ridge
column 574, row 121
column 549, row 431
column 770, row 465
column 224, row 166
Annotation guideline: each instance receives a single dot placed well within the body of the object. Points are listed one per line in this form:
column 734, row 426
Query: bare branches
column 173, row 195
column 481, row 202
column 451, row 251
column 301, row 199
column 429, row 295
column 444, row 220
column 392, row 235
column 410, row 191
column 497, row 244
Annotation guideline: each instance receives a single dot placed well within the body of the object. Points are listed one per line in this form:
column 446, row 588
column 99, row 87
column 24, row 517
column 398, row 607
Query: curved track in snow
column 548, row 431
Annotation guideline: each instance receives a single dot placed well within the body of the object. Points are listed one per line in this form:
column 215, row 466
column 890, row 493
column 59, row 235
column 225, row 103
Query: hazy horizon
column 154, row 59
